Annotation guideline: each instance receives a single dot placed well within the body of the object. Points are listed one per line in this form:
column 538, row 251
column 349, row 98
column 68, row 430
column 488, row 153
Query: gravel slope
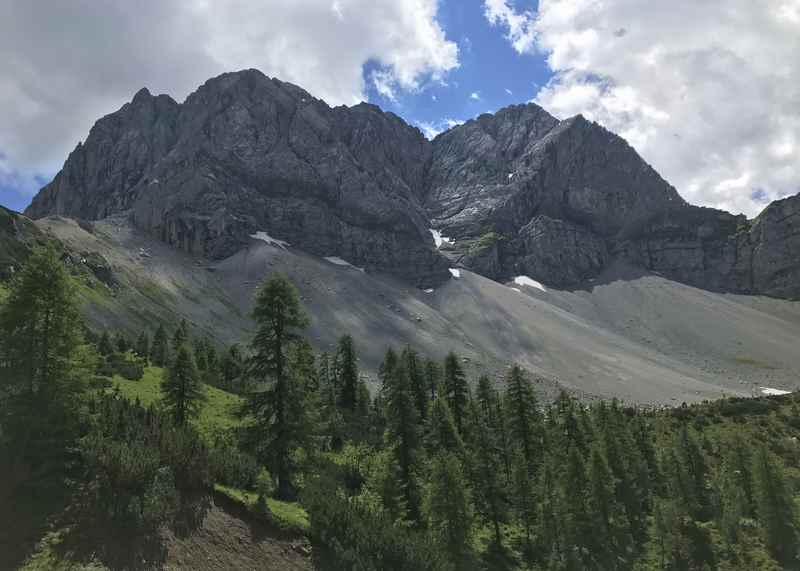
column 638, row 337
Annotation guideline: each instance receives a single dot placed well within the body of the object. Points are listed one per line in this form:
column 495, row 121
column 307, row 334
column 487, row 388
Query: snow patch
column 264, row 237
column 429, row 290
column 340, row 262
column 511, row 175
column 456, row 273
column 773, row 392
column 526, row 281
column 438, row 239
column 517, row 289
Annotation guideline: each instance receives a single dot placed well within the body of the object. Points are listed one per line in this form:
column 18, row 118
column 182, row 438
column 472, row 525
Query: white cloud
column 64, row 65
column 707, row 92
column 509, row 92
column 475, row 96
column 519, row 24
column 432, row 128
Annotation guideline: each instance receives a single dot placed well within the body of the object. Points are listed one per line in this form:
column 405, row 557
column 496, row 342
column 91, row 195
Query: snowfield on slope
column 530, row 282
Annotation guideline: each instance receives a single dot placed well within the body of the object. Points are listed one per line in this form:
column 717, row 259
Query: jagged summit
column 517, row 191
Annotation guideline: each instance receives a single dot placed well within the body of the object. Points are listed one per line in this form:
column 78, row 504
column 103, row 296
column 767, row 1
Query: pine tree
column 610, row 539
column 181, row 388
column 160, row 349
column 442, row 434
column 456, row 389
column 42, row 362
column 180, row 336
column 201, row 355
column 143, row 346
column 577, row 529
column 433, row 376
column 347, row 373
column 104, row 346
column 231, row 366
column 416, row 376
column 524, row 421
column 490, row 497
column 449, row 508
column 277, row 425
column 776, row 509
column 121, row 343
column 402, row 438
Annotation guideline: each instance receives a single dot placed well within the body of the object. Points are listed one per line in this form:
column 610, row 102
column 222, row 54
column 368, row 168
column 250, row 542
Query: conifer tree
column 524, row 421
column 776, row 509
column 442, row 434
column 200, row 355
column 160, row 349
column 490, row 498
column 180, row 336
column 41, row 360
column 456, row 389
column 231, row 366
column 610, row 539
column 347, row 373
column 143, row 346
column 276, row 421
column 181, row 388
column 387, row 367
column 449, row 508
column 416, row 376
column 121, row 343
column 104, row 346
column 402, row 438
column 432, row 376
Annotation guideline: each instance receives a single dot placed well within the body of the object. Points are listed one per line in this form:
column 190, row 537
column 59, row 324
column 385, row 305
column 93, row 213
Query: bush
column 126, row 365
column 232, row 467
column 138, row 464
column 347, row 535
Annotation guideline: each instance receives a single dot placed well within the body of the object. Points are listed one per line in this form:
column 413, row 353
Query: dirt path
column 230, row 539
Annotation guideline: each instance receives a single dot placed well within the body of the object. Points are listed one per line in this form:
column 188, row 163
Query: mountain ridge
column 517, row 191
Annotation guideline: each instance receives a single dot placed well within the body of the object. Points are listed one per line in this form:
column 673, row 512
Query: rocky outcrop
column 518, row 192
column 246, row 153
column 716, row 250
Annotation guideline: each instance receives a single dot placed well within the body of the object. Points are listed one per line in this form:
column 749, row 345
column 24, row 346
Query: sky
column 707, row 91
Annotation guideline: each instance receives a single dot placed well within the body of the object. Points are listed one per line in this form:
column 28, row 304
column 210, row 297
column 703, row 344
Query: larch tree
column 181, row 389
column 42, row 363
column 159, row 352
column 456, row 389
column 276, row 423
column 347, row 373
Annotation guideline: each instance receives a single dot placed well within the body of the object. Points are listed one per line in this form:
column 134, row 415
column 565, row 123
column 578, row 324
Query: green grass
column 218, row 412
column 289, row 516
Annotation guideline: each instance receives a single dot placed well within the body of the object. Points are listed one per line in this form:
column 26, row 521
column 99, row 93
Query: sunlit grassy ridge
column 217, row 413
column 289, row 516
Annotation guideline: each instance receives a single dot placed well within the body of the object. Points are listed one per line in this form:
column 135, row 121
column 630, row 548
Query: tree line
column 427, row 469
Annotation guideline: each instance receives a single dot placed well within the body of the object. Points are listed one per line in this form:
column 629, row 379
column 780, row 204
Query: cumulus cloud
column 519, row 24
column 65, row 64
column 432, row 128
column 707, row 92
column 475, row 96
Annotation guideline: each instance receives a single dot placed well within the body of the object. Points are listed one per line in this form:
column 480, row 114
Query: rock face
column 246, row 154
column 518, row 192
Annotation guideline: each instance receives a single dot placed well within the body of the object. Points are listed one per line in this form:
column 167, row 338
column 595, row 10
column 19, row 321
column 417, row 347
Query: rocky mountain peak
column 517, row 191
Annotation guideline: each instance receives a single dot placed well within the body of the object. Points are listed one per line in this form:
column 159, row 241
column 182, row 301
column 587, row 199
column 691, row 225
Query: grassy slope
column 218, row 412
column 289, row 516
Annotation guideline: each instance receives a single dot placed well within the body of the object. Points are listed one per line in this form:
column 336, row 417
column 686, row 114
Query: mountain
column 180, row 209
column 518, row 192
